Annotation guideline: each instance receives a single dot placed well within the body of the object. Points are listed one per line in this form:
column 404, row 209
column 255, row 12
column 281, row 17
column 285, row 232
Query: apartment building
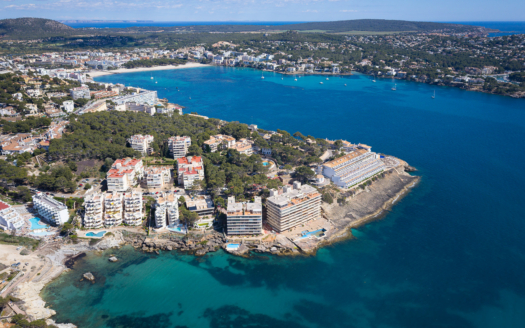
column 291, row 206
column 141, row 97
column 50, row 209
column 141, row 143
column 178, row 146
column 244, row 218
column 157, row 177
column 244, row 146
column 133, row 208
column 189, row 169
column 218, row 142
column 166, row 211
column 9, row 218
column 353, row 168
column 94, row 211
column 80, row 92
column 124, row 173
column 113, row 201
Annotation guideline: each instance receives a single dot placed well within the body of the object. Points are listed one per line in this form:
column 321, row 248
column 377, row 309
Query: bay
column 450, row 254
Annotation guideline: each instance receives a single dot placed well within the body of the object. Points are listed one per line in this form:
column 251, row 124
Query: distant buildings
column 133, row 208
column 141, row 97
column 244, row 146
column 50, row 209
column 124, row 173
column 354, row 167
column 292, row 205
column 141, row 143
column 80, row 92
column 244, row 218
column 166, row 211
column 9, row 218
column 189, row 170
column 178, row 146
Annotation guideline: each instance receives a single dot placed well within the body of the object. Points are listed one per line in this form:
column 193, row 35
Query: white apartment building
column 9, row 218
column 291, row 206
column 94, row 211
column 68, row 106
column 124, row 173
column 50, row 209
column 166, row 211
column 354, row 167
column 113, row 209
column 244, row 146
column 80, row 92
column 157, row 177
column 178, row 146
column 189, row 169
column 244, row 218
column 141, row 143
column 133, row 208
column 141, row 97
column 218, row 142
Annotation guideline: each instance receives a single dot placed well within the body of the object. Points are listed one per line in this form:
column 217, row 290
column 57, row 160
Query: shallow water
column 450, row 254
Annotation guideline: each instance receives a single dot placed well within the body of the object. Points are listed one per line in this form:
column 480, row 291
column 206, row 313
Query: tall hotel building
column 244, row 218
column 353, row 168
column 292, row 205
column 178, row 146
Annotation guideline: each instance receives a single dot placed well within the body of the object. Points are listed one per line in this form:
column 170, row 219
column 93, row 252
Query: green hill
column 34, row 27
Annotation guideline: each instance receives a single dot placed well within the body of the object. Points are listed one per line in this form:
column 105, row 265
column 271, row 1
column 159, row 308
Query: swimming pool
column 232, row 246
column 317, row 233
column 98, row 235
column 37, row 224
column 265, row 164
column 177, row 229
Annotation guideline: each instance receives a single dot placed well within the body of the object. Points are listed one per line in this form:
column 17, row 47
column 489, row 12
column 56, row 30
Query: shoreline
column 97, row 73
column 365, row 206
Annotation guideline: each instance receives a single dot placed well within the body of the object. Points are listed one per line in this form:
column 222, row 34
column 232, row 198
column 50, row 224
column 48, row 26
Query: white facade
column 113, row 209
column 157, row 176
column 189, row 170
column 68, row 105
column 80, row 92
column 50, row 209
column 353, row 168
column 178, row 146
column 133, row 208
column 167, row 211
column 141, row 143
column 94, row 211
column 144, row 97
column 9, row 217
column 244, row 218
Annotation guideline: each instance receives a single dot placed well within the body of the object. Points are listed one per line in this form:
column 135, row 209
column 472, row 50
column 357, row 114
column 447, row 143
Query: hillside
column 34, row 27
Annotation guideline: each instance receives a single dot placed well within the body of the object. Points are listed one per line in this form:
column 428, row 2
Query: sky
column 266, row 10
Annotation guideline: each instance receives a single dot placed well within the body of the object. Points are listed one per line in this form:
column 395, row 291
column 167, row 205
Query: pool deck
column 83, row 234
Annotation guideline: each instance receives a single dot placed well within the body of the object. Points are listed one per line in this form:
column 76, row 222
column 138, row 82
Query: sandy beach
column 95, row 73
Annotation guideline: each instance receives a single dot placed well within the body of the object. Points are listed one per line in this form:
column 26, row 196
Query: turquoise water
column 36, row 223
column 450, row 254
column 98, row 234
column 265, row 163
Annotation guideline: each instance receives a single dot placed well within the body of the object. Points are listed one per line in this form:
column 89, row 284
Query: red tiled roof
column 3, row 206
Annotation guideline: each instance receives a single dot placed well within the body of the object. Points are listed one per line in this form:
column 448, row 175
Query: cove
column 450, row 254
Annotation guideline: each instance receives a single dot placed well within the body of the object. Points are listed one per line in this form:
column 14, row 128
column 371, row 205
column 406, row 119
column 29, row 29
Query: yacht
column 320, row 82
column 345, row 84
column 434, row 96
column 262, row 75
column 327, row 79
column 295, row 79
column 394, row 88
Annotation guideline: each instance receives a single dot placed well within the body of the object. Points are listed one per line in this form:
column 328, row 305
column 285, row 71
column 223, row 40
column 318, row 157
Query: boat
column 374, row 80
column 152, row 76
column 434, row 96
column 190, row 97
column 262, row 75
column 345, row 84
column 327, row 79
column 155, row 81
column 394, row 88
column 320, row 82
column 295, row 79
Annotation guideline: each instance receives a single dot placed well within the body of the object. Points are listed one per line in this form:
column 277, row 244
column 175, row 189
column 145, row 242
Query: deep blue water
column 131, row 24
column 506, row 28
column 450, row 254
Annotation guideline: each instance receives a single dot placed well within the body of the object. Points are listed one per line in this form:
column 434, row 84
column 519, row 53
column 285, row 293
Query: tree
column 87, row 186
column 304, row 173
column 327, row 198
column 72, row 165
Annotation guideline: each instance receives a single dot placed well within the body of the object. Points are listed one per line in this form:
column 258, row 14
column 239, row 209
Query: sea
column 506, row 28
column 449, row 254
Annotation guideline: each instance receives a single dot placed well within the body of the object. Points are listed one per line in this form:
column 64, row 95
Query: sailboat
column 434, row 96
column 327, row 79
column 320, row 82
column 394, row 88
column 152, row 76
column 262, row 75
column 374, row 80
column 345, row 84
column 295, row 79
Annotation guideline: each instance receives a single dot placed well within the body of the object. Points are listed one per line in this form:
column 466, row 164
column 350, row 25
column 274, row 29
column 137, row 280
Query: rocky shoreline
column 365, row 205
